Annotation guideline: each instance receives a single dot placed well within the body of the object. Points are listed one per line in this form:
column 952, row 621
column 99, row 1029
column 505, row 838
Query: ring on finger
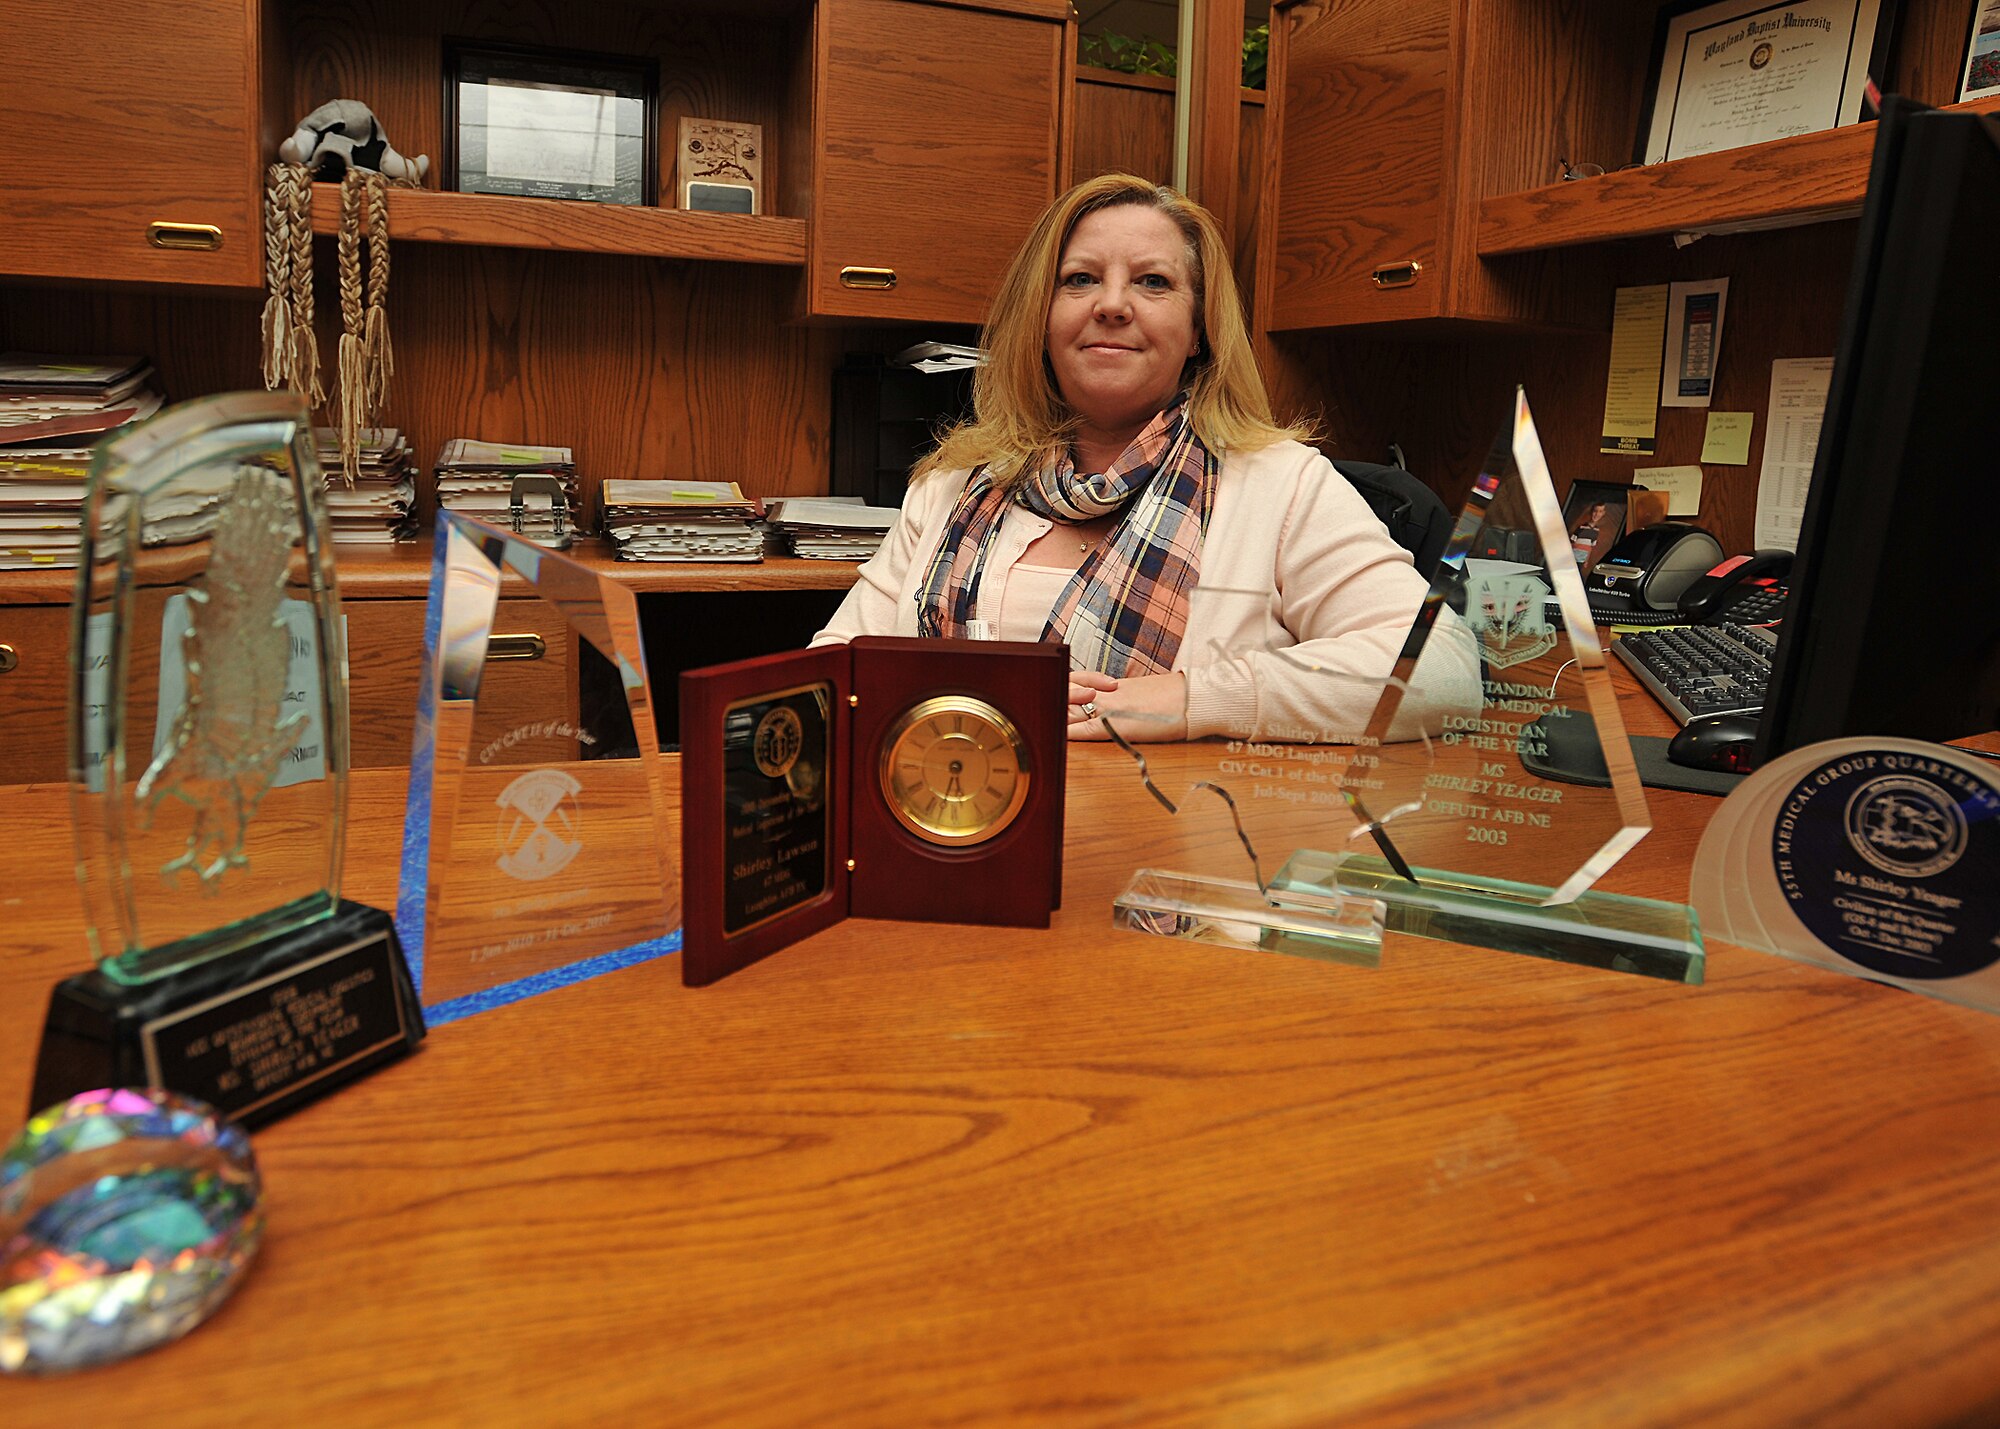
column 1089, row 708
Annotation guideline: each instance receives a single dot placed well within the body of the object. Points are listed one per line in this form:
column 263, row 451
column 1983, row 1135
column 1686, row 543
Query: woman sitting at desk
column 1122, row 454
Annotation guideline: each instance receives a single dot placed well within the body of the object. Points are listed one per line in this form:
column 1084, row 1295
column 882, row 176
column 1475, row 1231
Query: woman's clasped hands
column 1148, row 709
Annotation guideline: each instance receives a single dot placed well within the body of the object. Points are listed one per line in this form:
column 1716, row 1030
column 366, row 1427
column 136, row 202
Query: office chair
column 1416, row 518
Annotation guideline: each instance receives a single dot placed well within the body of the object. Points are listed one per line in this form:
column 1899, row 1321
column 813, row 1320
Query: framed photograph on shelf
column 1981, row 77
column 1726, row 73
column 719, row 167
column 550, row 124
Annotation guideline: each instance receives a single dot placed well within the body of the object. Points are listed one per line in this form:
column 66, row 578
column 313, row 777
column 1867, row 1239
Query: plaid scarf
column 1126, row 608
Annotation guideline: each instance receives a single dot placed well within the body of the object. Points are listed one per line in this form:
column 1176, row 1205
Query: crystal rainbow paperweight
column 126, row 1218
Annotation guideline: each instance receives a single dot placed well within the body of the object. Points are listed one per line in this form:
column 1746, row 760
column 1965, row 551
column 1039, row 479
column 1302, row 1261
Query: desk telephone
column 1749, row 590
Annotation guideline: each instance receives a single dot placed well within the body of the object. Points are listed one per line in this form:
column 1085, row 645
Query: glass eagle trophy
column 208, row 774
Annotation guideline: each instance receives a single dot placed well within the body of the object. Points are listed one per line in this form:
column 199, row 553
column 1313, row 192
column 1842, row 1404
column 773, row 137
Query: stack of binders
column 478, row 478
column 829, row 529
column 379, row 508
column 681, row 521
column 53, row 410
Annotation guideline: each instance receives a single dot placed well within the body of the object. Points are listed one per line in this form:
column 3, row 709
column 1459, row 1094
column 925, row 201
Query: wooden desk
column 919, row 1174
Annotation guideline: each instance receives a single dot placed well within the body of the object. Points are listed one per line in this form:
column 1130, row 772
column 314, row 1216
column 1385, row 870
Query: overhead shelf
column 1808, row 178
column 496, row 221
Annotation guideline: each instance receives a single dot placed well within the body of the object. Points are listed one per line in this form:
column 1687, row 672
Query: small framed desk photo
column 550, row 124
column 719, row 167
column 1726, row 73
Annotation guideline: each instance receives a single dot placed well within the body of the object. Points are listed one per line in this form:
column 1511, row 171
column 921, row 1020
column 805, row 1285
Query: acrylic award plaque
column 538, row 837
column 1226, row 814
column 1872, row 856
column 1491, row 827
column 919, row 780
column 208, row 777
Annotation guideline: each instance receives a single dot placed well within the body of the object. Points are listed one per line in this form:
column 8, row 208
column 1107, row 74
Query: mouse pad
column 1574, row 757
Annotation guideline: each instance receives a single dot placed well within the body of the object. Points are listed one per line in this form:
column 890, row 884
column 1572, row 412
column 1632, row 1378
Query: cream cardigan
column 1294, row 561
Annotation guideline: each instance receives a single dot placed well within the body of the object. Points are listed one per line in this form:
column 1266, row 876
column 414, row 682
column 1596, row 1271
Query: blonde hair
column 1020, row 422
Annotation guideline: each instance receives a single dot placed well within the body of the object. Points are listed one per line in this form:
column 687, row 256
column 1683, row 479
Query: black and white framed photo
column 1727, row 73
column 1981, row 76
column 550, row 123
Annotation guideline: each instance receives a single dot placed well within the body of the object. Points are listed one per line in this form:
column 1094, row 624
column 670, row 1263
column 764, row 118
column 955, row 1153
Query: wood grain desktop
column 923, row 1174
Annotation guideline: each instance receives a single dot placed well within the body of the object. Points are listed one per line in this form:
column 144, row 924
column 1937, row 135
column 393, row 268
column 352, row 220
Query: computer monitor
column 1893, row 624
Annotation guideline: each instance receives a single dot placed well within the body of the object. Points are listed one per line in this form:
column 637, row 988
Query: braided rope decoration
column 367, row 363
column 297, row 191
column 353, row 378
column 381, row 361
column 277, row 280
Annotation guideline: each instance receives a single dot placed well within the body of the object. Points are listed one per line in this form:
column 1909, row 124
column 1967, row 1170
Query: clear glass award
column 1491, row 825
column 538, row 834
column 1234, row 811
column 208, row 765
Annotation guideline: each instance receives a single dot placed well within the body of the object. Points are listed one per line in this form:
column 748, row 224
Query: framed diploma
column 919, row 780
column 1732, row 72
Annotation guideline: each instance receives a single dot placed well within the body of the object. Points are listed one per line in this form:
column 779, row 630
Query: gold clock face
column 954, row 770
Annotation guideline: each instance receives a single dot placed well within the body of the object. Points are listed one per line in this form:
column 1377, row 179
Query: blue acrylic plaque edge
column 414, row 875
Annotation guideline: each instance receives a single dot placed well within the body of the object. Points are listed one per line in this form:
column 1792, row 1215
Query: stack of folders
column 379, row 508
column 477, row 478
column 829, row 528
column 681, row 521
column 53, row 410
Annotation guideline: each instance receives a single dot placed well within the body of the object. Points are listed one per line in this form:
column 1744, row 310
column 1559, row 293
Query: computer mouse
column 1726, row 742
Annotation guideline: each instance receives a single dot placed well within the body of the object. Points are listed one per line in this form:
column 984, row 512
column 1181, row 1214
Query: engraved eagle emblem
column 229, row 738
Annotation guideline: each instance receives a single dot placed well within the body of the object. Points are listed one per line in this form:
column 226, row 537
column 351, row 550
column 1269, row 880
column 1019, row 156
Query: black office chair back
column 1416, row 518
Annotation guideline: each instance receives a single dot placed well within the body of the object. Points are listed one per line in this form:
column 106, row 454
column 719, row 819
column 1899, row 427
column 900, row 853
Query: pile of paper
column 53, row 410
column 478, row 478
column 681, row 521
column 829, row 528
column 378, row 508
column 939, row 357
column 41, row 506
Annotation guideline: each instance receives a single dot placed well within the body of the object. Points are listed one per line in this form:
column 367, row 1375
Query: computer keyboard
column 1703, row 669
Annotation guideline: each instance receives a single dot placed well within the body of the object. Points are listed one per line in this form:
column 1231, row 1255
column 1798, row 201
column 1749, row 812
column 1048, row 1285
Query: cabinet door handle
column 879, row 278
column 197, row 237
column 516, row 647
column 8, row 659
column 1398, row 275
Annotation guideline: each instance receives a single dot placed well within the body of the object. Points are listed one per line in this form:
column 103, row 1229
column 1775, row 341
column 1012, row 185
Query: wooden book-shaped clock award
column 890, row 778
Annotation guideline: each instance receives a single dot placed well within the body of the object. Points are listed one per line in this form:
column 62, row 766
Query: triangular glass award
column 538, row 835
column 1492, row 824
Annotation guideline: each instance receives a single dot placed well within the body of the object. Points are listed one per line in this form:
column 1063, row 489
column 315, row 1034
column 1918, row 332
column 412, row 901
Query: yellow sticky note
column 1728, row 440
column 1680, row 484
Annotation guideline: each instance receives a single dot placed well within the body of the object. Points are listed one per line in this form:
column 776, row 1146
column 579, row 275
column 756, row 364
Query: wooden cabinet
column 383, row 599
column 1438, row 130
column 533, row 679
column 937, row 140
column 34, row 692
column 1422, row 143
column 116, row 124
column 902, row 137
column 1362, row 164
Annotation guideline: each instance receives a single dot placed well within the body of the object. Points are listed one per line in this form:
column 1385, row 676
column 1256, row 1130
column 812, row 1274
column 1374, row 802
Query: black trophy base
column 257, row 1034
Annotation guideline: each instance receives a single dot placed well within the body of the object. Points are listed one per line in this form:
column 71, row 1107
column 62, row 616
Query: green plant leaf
column 1256, row 55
